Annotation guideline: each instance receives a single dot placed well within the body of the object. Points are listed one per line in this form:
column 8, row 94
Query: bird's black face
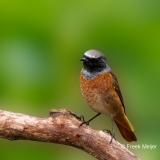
column 94, row 64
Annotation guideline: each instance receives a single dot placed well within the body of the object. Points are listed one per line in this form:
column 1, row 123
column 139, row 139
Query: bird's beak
column 83, row 59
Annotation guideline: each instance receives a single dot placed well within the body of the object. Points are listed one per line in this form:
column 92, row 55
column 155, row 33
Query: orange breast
column 100, row 94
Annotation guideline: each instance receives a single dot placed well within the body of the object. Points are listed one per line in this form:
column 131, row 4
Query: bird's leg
column 112, row 133
column 87, row 122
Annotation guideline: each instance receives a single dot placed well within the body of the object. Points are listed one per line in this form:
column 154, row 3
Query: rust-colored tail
column 125, row 127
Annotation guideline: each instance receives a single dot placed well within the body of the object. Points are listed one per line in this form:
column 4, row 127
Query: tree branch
column 62, row 126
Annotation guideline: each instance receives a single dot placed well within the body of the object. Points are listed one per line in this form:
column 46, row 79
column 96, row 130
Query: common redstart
column 101, row 90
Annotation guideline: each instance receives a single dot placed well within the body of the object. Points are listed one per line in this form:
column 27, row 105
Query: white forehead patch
column 94, row 53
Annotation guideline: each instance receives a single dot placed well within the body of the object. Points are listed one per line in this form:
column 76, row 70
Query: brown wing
column 117, row 88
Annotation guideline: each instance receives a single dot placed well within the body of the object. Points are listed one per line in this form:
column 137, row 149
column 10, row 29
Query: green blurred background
column 41, row 43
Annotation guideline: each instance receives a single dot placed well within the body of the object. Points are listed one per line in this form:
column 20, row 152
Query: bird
column 100, row 88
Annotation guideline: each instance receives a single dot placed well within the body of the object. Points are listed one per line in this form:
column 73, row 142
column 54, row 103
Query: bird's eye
column 97, row 59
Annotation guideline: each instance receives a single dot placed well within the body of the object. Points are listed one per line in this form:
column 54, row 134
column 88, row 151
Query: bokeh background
column 41, row 43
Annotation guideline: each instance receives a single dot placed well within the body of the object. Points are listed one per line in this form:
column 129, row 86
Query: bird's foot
column 113, row 136
column 111, row 133
column 84, row 122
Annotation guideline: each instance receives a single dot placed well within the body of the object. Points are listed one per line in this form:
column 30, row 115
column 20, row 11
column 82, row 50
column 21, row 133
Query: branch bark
column 62, row 126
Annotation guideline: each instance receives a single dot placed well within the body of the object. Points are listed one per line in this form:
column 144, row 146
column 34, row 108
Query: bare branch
column 62, row 126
